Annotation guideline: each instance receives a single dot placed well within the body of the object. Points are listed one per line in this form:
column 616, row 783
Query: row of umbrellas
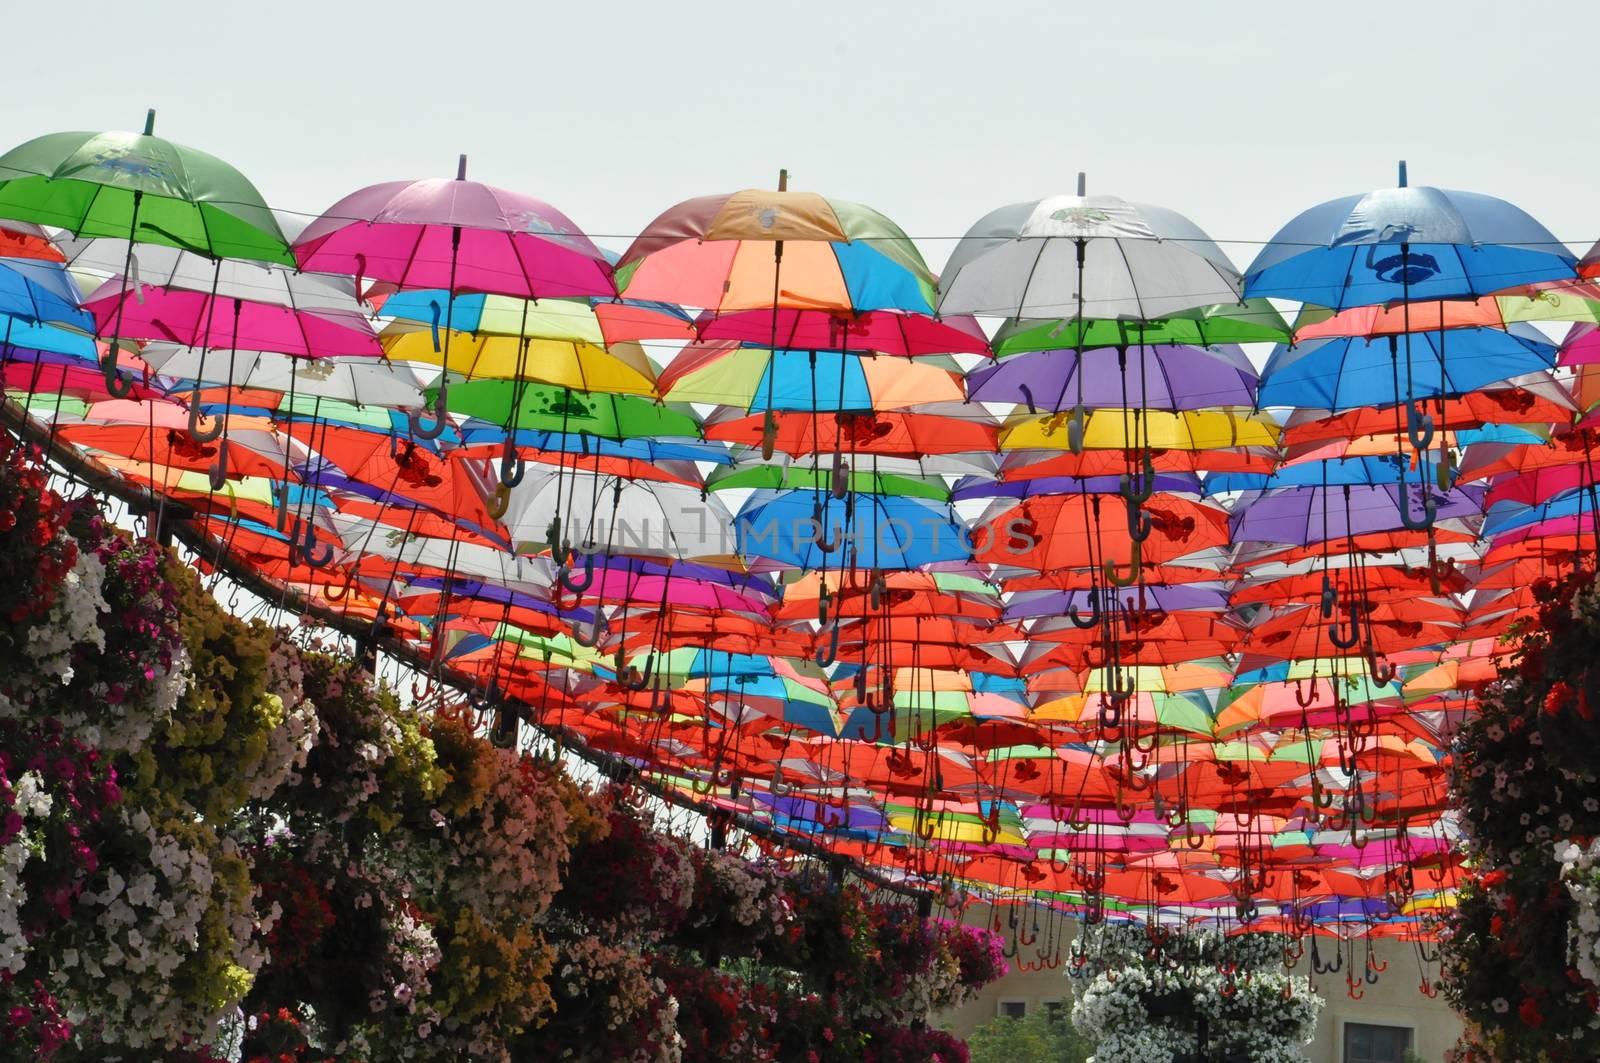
column 1023, row 579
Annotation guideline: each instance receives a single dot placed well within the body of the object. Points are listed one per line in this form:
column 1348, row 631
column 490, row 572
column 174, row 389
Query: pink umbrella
column 460, row 236
column 198, row 319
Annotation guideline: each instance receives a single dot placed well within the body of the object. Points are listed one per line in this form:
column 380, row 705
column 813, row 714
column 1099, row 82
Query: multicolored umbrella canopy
column 1123, row 595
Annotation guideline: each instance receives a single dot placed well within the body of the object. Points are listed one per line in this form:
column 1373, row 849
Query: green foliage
column 1038, row 1038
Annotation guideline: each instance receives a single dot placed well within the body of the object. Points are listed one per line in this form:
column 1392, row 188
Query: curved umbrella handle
column 1114, row 573
column 827, row 546
column 217, row 474
column 632, row 678
column 117, row 385
column 879, row 587
column 1430, row 511
column 1382, row 674
column 1076, row 427
column 769, row 436
column 1338, row 637
column 344, row 588
column 577, row 586
column 1081, row 622
column 1139, row 522
column 499, row 502
column 309, row 548
column 827, row 657
column 592, row 637
column 1419, row 426
column 1302, row 697
column 440, row 422
column 841, row 476
column 512, row 467
column 196, row 433
column 1141, row 485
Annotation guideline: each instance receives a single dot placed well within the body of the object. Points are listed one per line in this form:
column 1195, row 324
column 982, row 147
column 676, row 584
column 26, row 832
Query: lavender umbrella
column 1161, row 377
column 1299, row 516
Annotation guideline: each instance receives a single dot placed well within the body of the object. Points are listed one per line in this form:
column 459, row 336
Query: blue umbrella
column 1348, row 372
column 809, row 529
column 1371, row 469
column 41, row 291
column 1406, row 244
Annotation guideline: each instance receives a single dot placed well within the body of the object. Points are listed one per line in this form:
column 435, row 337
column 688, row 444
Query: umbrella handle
column 217, row 474
column 1338, row 637
column 1382, row 674
column 769, row 435
column 827, row 657
column 418, row 429
column 499, row 502
column 1419, row 426
column 503, row 735
column 1430, row 512
column 309, row 548
column 1075, row 430
column 117, row 385
column 590, row 638
column 512, row 467
column 1444, row 472
column 1141, row 485
column 823, row 601
column 829, row 545
column 841, row 476
column 1303, row 699
column 577, row 586
column 632, row 678
column 344, row 588
column 1114, row 573
column 1082, row 622
column 1425, row 956
column 196, row 433
column 1330, row 599
column 878, row 589
column 1139, row 523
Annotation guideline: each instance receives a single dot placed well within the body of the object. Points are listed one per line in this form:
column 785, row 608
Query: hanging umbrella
column 1151, row 377
column 1085, row 257
column 457, row 236
column 752, row 378
column 140, row 188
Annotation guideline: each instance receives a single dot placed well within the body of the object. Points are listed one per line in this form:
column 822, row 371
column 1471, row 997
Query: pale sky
column 1239, row 114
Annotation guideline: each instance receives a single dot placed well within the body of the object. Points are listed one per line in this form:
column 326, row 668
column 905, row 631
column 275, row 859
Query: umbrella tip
column 1083, row 183
column 1402, row 173
column 150, row 122
column 783, row 180
column 461, row 168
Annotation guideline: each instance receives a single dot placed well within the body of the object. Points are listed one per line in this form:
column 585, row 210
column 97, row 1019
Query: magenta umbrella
column 882, row 331
column 460, row 236
column 198, row 319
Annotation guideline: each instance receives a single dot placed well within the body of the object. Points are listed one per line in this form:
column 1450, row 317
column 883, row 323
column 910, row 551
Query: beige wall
column 1393, row 1001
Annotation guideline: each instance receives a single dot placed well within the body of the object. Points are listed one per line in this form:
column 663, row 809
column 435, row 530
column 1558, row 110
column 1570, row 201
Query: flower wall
column 1520, row 949
column 216, row 844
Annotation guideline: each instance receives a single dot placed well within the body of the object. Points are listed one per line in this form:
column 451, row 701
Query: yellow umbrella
column 1110, row 429
column 622, row 369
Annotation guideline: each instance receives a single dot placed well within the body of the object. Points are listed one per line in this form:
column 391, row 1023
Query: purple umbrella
column 1196, row 597
column 1173, row 483
column 1299, row 516
column 1158, row 377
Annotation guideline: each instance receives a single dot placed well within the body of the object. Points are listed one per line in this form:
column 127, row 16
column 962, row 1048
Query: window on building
column 1012, row 1009
column 1055, row 1010
column 1366, row 1043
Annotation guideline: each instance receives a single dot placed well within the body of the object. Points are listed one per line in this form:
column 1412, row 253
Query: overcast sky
column 1239, row 114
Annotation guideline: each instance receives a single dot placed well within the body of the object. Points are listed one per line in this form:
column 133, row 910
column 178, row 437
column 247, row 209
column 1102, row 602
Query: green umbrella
column 143, row 189
column 547, row 408
column 862, row 481
column 140, row 187
column 1252, row 321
